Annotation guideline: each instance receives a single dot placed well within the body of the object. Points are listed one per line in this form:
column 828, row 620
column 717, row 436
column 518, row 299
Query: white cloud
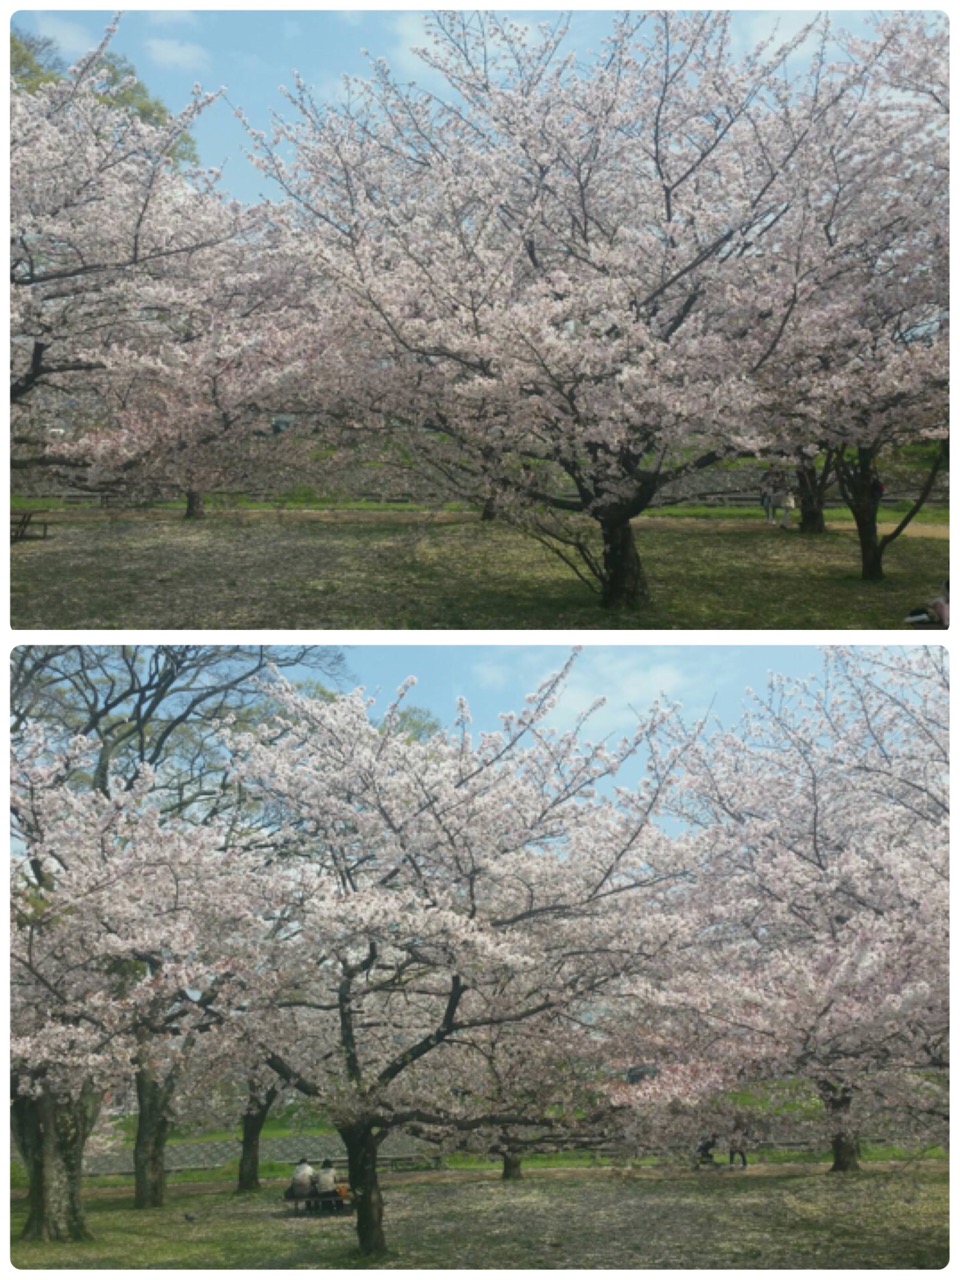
column 72, row 39
column 490, row 674
column 352, row 17
column 629, row 679
column 179, row 55
column 330, row 86
column 409, row 31
column 749, row 28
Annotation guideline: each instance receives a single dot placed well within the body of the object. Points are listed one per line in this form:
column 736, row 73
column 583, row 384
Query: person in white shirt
column 326, row 1183
column 303, row 1175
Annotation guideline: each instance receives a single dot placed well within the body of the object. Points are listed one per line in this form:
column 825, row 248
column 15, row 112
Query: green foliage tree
column 35, row 60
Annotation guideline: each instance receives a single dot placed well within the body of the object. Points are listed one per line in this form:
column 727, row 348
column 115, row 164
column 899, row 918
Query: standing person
column 738, row 1144
column 766, row 493
column 705, row 1149
column 787, row 502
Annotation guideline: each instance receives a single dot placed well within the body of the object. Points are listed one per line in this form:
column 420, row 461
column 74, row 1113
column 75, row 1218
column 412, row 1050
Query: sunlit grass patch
column 377, row 571
column 798, row 1219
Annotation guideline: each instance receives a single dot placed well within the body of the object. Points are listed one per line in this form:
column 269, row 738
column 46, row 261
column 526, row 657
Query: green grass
column 273, row 1127
column 536, row 1160
column 891, row 512
column 372, row 570
column 869, row 1154
column 224, row 1173
column 798, row 1219
column 309, row 501
column 297, row 501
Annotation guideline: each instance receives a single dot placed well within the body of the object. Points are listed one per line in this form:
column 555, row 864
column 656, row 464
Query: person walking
column 738, row 1145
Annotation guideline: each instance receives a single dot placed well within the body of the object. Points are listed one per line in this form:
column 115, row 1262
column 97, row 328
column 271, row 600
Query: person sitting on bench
column 326, row 1183
column 303, row 1184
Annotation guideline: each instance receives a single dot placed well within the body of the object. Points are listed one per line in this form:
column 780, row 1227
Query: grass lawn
column 398, row 570
column 794, row 1217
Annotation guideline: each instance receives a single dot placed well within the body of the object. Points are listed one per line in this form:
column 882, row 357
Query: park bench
column 21, row 521
column 409, row 1161
column 314, row 1202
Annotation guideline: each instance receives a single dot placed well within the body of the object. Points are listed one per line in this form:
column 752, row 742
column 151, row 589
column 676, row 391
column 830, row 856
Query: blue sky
column 496, row 678
column 252, row 52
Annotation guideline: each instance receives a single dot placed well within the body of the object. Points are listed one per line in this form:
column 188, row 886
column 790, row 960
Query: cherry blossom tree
column 874, row 376
column 100, row 213
column 430, row 892
column 195, row 399
column 557, row 1081
column 823, row 875
column 577, row 280
column 140, row 712
column 471, row 936
column 115, row 962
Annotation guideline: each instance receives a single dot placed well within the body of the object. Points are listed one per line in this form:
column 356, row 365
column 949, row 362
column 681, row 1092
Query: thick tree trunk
column 871, row 549
column 489, row 509
column 512, row 1170
column 846, row 1149
column 195, row 508
column 811, row 490
column 624, row 583
column 362, row 1142
column 153, row 1126
column 51, row 1132
column 812, row 519
column 837, row 1099
column 258, row 1108
column 861, row 489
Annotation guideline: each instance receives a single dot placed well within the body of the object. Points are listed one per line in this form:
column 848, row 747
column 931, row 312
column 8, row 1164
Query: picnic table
column 20, row 522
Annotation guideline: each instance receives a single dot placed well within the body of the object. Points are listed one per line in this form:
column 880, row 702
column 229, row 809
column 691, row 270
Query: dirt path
column 914, row 530
column 400, row 517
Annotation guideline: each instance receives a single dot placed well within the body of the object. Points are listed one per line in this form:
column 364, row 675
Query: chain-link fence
column 210, row 1155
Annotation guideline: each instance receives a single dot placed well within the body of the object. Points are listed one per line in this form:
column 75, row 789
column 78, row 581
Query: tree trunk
column 846, row 1149
column 195, row 508
column 812, row 519
column 871, row 549
column 153, row 1126
column 362, row 1142
column 861, row 489
column 837, row 1098
column 811, row 490
column 258, row 1108
column 51, row 1132
column 624, row 583
column 511, row 1167
column 489, row 509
